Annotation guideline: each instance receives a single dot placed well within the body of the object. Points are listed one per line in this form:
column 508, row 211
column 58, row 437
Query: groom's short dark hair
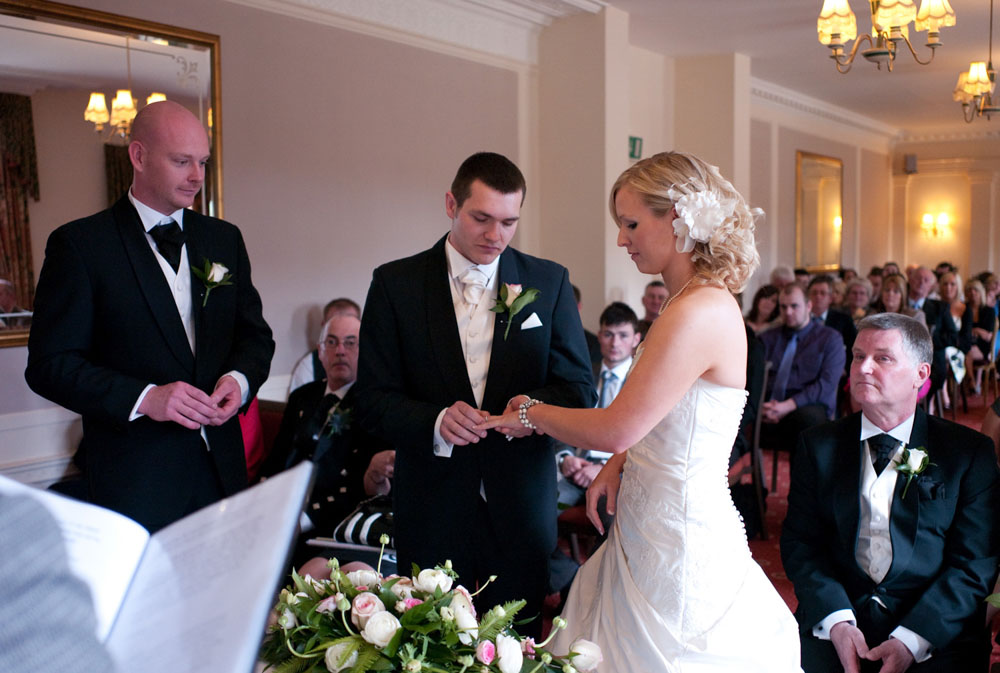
column 493, row 170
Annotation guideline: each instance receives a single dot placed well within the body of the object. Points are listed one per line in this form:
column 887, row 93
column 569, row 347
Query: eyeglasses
column 350, row 343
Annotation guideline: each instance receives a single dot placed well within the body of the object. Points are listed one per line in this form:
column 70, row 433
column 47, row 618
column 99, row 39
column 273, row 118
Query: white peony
column 430, row 578
column 380, row 629
column 217, row 273
column 363, row 578
column 467, row 624
column 403, row 588
column 333, row 657
column 509, row 656
column 585, row 655
column 699, row 214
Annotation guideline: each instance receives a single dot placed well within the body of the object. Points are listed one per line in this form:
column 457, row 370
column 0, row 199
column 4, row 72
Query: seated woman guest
column 859, row 298
column 979, row 321
column 763, row 309
column 950, row 290
column 893, row 298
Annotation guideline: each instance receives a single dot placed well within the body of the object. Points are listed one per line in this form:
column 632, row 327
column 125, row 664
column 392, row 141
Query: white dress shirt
column 475, row 328
column 874, row 547
column 180, row 288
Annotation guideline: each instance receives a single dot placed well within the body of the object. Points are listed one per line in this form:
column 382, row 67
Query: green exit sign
column 634, row 147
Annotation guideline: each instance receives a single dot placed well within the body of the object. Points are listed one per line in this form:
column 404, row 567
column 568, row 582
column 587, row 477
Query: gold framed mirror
column 819, row 207
column 57, row 55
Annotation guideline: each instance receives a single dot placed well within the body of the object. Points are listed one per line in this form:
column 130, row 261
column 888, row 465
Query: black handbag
column 367, row 523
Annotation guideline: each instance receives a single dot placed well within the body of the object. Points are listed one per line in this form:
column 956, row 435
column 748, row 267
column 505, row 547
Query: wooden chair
column 986, row 371
column 571, row 525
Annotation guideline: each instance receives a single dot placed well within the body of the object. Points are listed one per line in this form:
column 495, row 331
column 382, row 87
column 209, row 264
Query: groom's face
column 482, row 226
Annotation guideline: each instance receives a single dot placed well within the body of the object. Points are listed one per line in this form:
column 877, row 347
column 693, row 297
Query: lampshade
column 978, row 79
column 122, row 109
column 97, row 110
column 836, row 17
column 960, row 94
column 934, row 14
column 894, row 13
column 155, row 98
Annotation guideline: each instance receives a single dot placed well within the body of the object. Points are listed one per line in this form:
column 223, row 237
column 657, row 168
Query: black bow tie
column 882, row 447
column 169, row 238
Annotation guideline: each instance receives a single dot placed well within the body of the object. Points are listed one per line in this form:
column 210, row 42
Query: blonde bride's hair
column 730, row 256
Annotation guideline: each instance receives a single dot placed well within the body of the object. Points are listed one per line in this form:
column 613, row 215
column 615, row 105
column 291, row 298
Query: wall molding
column 36, row 446
column 496, row 32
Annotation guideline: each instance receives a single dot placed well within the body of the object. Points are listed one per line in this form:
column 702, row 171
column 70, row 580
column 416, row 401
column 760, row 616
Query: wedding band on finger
column 510, row 438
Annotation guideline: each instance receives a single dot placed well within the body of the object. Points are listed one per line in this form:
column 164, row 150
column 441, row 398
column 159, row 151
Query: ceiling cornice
column 507, row 29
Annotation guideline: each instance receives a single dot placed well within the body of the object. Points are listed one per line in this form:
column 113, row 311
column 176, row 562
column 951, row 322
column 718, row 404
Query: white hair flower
column 699, row 214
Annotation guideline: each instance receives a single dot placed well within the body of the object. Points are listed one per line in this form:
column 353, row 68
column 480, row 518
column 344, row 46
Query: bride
column 674, row 588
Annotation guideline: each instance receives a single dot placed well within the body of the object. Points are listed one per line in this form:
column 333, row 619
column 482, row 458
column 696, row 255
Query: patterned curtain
column 118, row 169
column 18, row 180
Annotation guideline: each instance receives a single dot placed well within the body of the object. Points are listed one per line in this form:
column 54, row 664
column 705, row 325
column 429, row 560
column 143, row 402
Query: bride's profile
column 674, row 587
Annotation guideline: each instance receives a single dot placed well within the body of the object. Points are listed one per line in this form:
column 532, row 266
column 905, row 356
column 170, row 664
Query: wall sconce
column 935, row 226
column 838, row 223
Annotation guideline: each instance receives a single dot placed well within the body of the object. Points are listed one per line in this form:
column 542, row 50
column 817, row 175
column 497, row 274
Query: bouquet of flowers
column 361, row 621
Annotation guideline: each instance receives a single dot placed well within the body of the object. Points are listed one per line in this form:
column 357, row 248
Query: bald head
column 169, row 150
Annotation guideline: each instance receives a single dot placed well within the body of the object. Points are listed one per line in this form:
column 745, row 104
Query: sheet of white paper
column 200, row 598
column 103, row 547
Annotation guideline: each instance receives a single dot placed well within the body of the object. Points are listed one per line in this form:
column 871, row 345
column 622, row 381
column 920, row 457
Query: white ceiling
column 779, row 36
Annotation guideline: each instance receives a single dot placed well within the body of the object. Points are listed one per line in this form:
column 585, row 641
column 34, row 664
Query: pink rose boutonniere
column 213, row 275
column 512, row 299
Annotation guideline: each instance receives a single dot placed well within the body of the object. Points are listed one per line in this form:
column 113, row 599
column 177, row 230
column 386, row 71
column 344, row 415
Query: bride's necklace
column 666, row 302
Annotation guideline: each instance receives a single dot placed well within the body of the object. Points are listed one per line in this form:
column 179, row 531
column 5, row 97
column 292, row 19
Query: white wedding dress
column 674, row 588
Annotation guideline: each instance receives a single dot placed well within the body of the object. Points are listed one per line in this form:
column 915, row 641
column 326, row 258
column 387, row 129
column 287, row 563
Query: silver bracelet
column 522, row 413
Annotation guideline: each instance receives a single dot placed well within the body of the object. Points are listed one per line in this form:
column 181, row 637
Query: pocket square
column 930, row 489
column 531, row 322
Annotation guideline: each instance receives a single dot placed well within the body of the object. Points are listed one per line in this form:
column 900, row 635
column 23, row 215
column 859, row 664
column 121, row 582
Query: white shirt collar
column 458, row 263
column 619, row 370
column 901, row 432
column 340, row 392
column 150, row 218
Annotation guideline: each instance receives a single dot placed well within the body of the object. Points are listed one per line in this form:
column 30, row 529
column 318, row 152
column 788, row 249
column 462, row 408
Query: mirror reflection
column 818, row 211
column 71, row 79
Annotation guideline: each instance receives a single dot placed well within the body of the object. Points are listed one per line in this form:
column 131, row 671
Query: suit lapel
column 151, row 282
column 196, row 252
column 498, row 378
column 443, row 327
column 906, row 511
column 847, row 508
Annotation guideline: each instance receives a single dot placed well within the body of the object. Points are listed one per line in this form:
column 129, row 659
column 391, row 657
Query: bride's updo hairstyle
column 719, row 223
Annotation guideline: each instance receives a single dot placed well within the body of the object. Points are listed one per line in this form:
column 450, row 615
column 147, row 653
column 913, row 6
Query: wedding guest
column 309, row 368
column 859, row 298
column 875, row 582
column 838, row 293
column 437, row 361
column 782, row 276
column 890, row 269
column 763, row 309
column 802, row 276
column 652, row 301
column 938, row 320
column 156, row 360
column 807, row 359
column 821, row 299
column 978, row 321
column 950, row 292
column 847, row 275
column 875, row 278
column 892, row 298
column 593, row 345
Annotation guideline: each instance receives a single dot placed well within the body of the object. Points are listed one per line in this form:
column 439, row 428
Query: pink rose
column 409, row 603
column 528, row 647
column 366, row 605
column 514, row 291
column 486, row 652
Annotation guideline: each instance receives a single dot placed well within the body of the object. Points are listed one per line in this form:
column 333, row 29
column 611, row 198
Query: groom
column 889, row 569
column 436, row 361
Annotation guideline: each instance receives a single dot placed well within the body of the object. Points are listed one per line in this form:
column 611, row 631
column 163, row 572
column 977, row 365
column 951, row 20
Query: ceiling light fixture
column 890, row 20
column 975, row 87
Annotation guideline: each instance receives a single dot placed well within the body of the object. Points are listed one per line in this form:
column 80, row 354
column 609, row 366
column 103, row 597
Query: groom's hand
column 458, row 426
column 850, row 644
column 896, row 657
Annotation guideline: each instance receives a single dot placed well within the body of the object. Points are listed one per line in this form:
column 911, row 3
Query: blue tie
column 785, row 369
column 606, row 377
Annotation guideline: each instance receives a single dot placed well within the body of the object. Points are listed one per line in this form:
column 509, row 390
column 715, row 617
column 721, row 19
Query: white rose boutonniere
column 912, row 463
column 213, row 275
column 699, row 214
column 513, row 297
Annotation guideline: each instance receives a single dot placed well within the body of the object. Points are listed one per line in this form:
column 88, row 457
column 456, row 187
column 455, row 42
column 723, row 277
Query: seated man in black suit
column 939, row 322
column 309, row 368
column 593, row 345
column 821, row 297
column 891, row 538
column 807, row 359
column 319, row 425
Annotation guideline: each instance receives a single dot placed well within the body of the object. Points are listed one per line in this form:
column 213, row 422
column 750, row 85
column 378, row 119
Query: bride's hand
column 605, row 484
column 507, row 423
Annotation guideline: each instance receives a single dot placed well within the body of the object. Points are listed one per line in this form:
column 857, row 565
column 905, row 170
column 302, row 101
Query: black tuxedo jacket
column 341, row 460
column 411, row 367
column 944, row 532
column 106, row 325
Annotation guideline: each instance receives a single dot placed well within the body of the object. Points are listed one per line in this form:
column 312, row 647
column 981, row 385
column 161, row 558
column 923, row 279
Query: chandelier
column 890, row 29
column 975, row 87
column 123, row 106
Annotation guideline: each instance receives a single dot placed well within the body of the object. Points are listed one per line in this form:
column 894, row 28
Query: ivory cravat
column 473, row 284
column 169, row 238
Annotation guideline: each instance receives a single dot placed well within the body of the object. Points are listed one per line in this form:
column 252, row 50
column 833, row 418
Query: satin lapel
column 905, row 516
column 151, row 282
column 196, row 251
column 443, row 327
column 847, row 475
column 499, row 375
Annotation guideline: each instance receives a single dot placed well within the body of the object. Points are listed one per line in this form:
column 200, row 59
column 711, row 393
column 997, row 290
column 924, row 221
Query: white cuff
column 442, row 449
column 822, row 630
column 138, row 403
column 918, row 646
column 244, row 385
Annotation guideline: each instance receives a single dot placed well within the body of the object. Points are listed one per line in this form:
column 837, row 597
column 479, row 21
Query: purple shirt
column 817, row 367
